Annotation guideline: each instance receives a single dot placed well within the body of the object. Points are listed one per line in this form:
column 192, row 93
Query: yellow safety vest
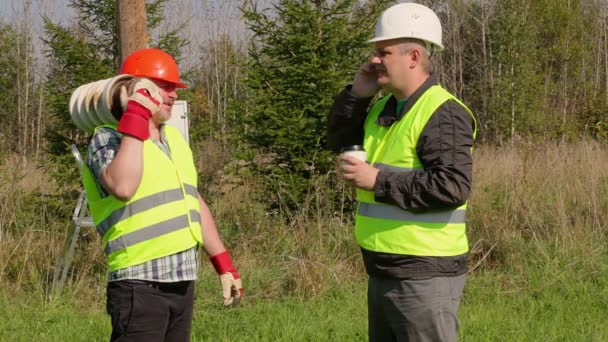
column 386, row 228
column 162, row 218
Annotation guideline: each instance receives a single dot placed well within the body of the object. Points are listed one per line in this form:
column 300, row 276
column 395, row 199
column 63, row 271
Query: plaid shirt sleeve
column 102, row 150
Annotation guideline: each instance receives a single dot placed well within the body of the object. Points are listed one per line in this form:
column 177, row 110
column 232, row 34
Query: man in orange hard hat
column 413, row 187
column 141, row 185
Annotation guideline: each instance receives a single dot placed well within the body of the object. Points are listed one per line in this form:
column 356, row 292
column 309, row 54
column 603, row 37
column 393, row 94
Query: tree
column 217, row 78
column 20, row 107
column 302, row 54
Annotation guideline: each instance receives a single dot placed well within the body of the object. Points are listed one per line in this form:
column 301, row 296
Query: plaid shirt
column 172, row 268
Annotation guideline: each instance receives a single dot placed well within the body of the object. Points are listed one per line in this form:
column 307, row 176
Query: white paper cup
column 355, row 151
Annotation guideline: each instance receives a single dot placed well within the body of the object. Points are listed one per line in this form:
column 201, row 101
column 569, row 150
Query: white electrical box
column 179, row 118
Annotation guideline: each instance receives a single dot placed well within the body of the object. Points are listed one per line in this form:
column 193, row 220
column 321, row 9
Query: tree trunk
column 132, row 26
column 39, row 122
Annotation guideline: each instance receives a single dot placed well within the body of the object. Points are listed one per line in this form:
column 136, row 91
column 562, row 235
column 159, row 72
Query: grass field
column 555, row 301
column 537, row 226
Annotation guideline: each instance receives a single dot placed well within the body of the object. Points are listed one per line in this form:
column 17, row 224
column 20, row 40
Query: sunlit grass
column 537, row 231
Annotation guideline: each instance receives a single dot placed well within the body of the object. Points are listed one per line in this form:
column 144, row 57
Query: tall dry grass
column 528, row 201
column 549, row 197
column 26, row 242
column 35, row 218
column 307, row 249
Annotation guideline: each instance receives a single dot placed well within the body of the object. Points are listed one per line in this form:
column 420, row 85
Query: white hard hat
column 408, row 20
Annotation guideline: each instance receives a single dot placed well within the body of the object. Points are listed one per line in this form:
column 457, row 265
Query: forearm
column 424, row 189
column 123, row 175
column 444, row 149
column 232, row 288
column 213, row 244
column 346, row 119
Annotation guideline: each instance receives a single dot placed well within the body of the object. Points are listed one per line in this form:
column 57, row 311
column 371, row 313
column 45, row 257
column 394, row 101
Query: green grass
column 339, row 317
column 30, row 319
column 545, row 301
column 550, row 299
column 539, row 249
column 573, row 311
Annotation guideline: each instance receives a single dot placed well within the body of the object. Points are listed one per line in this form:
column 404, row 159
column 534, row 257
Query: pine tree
column 303, row 53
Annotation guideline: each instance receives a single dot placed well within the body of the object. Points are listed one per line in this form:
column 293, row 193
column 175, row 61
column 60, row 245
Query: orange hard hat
column 152, row 63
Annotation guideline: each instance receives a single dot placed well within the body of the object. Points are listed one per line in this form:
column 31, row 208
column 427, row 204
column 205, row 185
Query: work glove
column 145, row 101
column 232, row 289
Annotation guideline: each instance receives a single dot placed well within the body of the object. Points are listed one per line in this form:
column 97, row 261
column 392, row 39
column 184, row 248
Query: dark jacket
column 444, row 149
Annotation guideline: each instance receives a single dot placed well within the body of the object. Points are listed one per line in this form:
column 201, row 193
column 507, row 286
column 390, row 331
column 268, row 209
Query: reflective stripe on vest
column 146, row 233
column 144, row 204
column 151, row 232
column 391, row 212
column 386, row 167
column 382, row 227
column 162, row 218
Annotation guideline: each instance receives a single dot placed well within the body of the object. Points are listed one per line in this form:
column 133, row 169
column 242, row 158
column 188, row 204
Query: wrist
column 379, row 189
column 375, row 180
column 357, row 91
column 222, row 263
column 134, row 125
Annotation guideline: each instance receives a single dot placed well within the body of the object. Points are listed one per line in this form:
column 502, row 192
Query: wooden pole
column 132, row 26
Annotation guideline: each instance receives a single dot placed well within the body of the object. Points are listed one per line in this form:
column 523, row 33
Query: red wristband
column 134, row 125
column 223, row 264
column 135, row 119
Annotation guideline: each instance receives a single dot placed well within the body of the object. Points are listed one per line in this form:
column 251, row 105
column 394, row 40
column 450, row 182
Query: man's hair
column 407, row 44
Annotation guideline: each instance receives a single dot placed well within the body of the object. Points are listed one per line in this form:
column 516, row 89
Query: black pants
column 150, row 311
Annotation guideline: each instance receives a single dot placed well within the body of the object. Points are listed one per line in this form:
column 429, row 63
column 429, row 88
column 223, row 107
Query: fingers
column 237, row 292
column 144, row 83
column 232, row 295
column 152, row 89
column 236, row 296
column 124, row 97
column 144, row 92
column 349, row 176
column 228, row 301
column 232, row 289
column 367, row 67
column 344, row 165
column 149, row 102
column 351, row 170
column 349, row 160
column 348, row 173
column 226, row 292
column 365, row 83
column 347, row 165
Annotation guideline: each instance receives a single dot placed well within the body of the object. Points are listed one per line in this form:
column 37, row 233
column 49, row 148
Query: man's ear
column 415, row 58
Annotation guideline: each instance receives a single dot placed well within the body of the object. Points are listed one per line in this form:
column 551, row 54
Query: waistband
column 162, row 286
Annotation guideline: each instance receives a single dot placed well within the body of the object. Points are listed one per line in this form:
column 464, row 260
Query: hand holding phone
column 365, row 83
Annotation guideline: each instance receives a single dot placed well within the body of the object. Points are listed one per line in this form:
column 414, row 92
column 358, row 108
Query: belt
column 158, row 285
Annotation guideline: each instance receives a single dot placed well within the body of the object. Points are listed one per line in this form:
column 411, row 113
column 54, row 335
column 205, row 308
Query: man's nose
column 375, row 60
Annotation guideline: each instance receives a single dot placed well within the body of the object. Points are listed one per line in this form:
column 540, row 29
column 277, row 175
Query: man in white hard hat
column 413, row 187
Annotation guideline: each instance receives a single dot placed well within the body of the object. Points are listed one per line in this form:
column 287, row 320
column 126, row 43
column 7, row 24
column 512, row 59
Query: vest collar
column 389, row 115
